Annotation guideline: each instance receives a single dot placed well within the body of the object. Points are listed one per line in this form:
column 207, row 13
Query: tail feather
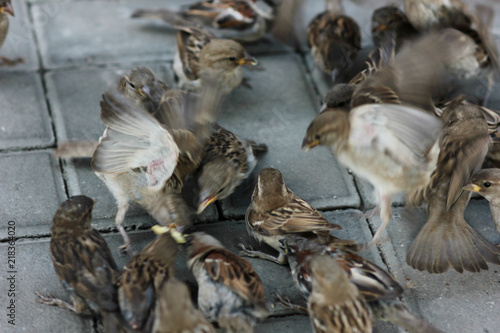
column 441, row 244
column 76, row 149
column 170, row 17
column 257, row 148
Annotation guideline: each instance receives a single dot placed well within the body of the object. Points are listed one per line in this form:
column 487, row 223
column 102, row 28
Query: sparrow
column 481, row 55
column 334, row 39
column 144, row 161
column 335, row 304
column 6, row 9
column 276, row 213
column 240, row 20
column 83, row 263
column 485, row 182
column 392, row 146
column 228, row 161
column 406, row 78
column 230, row 291
column 174, row 311
column 143, row 277
column 390, row 22
column 446, row 239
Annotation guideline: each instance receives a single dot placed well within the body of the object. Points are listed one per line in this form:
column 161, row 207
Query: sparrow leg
column 491, row 82
column 281, row 259
column 10, row 62
column 50, row 300
column 246, row 83
column 120, row 217
column 370, row 213
column 385, row 216
column 285, row 301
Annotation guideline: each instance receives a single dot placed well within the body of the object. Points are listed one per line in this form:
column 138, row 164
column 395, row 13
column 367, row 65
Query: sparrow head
column 141, row 85
column 225, row 55
column 485, row 182
column 74, row 213
column 338, row 97
column 326, row 129
column 200, row 243
column 6, row 7
column 216, row 182
column 270, row 191
column 387, row 18
column 327, row 274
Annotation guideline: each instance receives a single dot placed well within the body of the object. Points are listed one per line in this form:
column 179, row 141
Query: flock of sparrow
column 395, row 123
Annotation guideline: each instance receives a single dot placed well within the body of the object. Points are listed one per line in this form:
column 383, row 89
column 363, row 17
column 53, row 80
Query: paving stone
column 35, row 273
column 25, row 119
column 453, row 302
column 74, row 96
column 20, row 41
column 277, row 112
column 31, row 191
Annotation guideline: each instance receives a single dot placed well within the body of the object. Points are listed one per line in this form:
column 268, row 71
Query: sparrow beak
column 205, row 203
column 7, row 10
column 145, row 91
column 248, row 60
column 308, row 145
column 378, row 27
column 472, row 187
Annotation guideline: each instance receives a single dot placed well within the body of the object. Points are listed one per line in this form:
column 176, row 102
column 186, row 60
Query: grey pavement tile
column 277, row 112
column 32, row 188
column 452, row 301
column 20, row 41
column 35, row 273
column 26, row 122
column 74, row 97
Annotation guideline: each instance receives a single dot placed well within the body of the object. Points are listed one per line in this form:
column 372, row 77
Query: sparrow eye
column 487, row 184
column 317, row 137
column 131, row 84
column 232, row 58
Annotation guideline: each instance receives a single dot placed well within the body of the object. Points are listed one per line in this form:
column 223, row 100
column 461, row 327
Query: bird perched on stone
column 390, row 22
column 335, row 303
column 6, row 9
column 228, row 161
column 446, row 239
column 244, row 21
column 276, row 213
column 334, row 39
column 393, row 146
column 175, row 312
column 144, row 161
column 481, row 54
column 143, row 277
column 83, row 263
column 230, row 291
column 485, row 182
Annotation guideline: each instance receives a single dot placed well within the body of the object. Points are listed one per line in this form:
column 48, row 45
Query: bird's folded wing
column 134, row 139
column 403, row 132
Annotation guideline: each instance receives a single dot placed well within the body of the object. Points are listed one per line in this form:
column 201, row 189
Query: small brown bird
column 83, row 262
column 393, row 146
column 485, row 182
column 335, row 304
column 276, row 212
column 481, row 54
column 174, row 311
column 390, row 22
column 446, row 239
column 230, row 291
column 144, row 161
column 334, row 39
column 244, row 21
column 228, row 161
column 142, row 279
column 6, row 8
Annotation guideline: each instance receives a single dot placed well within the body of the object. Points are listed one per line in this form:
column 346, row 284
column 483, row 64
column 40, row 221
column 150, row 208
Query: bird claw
column 127, row 248
column 287, row 303
column 45, row 299
column 246, row 250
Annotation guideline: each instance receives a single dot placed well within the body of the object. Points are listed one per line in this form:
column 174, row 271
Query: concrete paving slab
column 26, row 122
column 277, row 112
column 34, row 273
column 32, row 188
column 452, row 301
column 20, row 41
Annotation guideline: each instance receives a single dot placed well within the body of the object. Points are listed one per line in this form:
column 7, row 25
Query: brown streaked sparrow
column 446, row 239
column 390, row 22
column 6, row 9
column 276, row 212
column 228, row 161
column 230, row 291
